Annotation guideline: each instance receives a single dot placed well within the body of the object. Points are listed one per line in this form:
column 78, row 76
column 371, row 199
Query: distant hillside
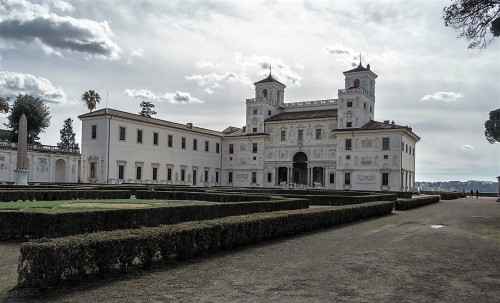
column 482, row 186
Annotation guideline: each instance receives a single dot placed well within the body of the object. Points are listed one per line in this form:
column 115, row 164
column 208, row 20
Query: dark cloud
column 30, row 23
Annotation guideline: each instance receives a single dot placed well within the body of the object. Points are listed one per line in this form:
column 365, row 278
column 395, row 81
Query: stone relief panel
column 367, row 143
column 241, row 176
column 270, row 154
column 366, row 161
column 366, row 179
column 243, row 147
column 318, row 153
column 283, row 154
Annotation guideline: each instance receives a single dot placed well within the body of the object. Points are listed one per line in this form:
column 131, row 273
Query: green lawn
column 62, row 205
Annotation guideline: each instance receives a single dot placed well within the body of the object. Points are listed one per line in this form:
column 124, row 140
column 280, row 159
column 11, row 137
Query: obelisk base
column 21, row 176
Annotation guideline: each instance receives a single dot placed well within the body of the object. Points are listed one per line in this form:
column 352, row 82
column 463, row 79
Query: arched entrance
column 300, row 168
column 60, row 175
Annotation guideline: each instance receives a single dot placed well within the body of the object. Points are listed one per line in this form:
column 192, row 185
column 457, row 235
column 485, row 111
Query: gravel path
column 445, row 252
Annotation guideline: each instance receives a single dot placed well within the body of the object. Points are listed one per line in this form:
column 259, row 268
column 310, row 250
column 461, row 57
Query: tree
column 479, row 20
column 492, row 127
column 91, row 98
column 147, row 109
column 37, row 114
column 67, row 135
column 4, row 105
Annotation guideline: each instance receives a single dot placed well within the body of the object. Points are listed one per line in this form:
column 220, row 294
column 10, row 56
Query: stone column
column 21, row 172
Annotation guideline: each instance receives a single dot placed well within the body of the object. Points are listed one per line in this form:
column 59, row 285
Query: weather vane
column 269, row 69
column 359, row 58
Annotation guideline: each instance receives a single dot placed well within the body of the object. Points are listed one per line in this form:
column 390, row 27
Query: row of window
column 300, row 134
column 349, row 104
column 154, row 174
column 254, row 148
column 170, row 139
column 385, row 144
column 407, row 148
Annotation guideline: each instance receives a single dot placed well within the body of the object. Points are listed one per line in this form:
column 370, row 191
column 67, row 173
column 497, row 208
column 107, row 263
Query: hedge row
column 47, row 262
column 59, row 194
column 201, row 196
column 445, row 195
column 344, row 200
column 22, row 225
column 405, row 204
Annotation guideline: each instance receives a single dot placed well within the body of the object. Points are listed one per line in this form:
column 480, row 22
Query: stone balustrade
column 75, row 149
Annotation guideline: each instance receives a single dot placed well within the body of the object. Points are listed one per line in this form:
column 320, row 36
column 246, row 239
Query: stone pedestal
column 21, row 176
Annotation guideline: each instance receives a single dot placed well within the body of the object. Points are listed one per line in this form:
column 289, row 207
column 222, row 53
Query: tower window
column 364, row 105
column 349, row 104
column 385, row 143
column 283, row 135
column 254, row 129
column 300, row 134
column 349, row 124
column 318, row 133
column 348, row 144
column 255, row 112
column 356, row 83
column 264, row 93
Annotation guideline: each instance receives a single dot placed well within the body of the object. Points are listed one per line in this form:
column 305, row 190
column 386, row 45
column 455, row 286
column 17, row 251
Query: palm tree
column 91, row 98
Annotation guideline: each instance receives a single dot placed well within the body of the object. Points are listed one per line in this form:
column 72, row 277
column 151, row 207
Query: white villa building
column 333, row 143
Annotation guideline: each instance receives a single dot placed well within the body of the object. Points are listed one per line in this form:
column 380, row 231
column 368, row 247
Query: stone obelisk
column 21, row 171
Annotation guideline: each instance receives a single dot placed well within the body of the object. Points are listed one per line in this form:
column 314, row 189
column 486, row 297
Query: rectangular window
column 138, row 173
column 170, row 140
column 183, row 175
column 169, row 174
column 121, row 172
column 206, row 176
column 386, row 157
column 318, row 133
column 195, row 144
column 217, row 177
column 348, row 144
column 349, row 124
column 254, row 148
column 347, row 178
column 406, row 148
column 283, row 135
column 269, row 177
column 155, row 138
column 385, row 178
column 155, row 173
column 332, row 178
column 268, row 112
column 300, row 134
column 255, row 112
column 139, row 136
column 230, row 177
column 94, row 132
column 217, row 147
column 231, row 148
column 254, row 177
column 122, row 133
column 93, row 170
column 402, row 146
column 254, row 129
column 349, row 104
column 385, row 143
column 207, row 144
column 183, row 143
column 410, row 150
column 348, row 157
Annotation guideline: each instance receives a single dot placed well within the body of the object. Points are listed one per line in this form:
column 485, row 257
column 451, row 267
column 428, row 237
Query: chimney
column 386, row 121
column 392, row 122
column 189, row 125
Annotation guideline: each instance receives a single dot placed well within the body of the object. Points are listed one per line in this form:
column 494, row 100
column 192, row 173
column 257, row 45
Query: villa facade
column 332, row 143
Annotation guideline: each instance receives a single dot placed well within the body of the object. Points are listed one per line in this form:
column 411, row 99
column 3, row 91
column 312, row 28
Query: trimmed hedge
column 201, row 196
column 405, row 204
column 344, row 200
column 46, row 262
column 445, row 195
column 69, row 194
column 21, row 225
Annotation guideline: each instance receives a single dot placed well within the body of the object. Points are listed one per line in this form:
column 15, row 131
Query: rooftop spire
column 359, row 59
column 269, row 69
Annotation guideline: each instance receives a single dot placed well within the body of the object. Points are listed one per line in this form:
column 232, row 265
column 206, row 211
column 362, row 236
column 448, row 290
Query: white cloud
column 467, row 147
column 34, row 23
column 280, row 70
column 213, row 80
column 137, row 52
column 209, row 91
column 177, row 97
column 443, row 96
column 13, row 84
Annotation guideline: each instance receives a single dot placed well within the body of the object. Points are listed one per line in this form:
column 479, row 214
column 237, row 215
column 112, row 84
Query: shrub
column 405, row 204
column 59, row 194
column 46, row 262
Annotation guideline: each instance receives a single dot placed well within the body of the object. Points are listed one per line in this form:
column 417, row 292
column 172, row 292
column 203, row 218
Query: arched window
column 264, row 93
column 356, row 82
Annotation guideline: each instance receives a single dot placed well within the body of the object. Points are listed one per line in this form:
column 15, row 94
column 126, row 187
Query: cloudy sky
column 197, row 60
